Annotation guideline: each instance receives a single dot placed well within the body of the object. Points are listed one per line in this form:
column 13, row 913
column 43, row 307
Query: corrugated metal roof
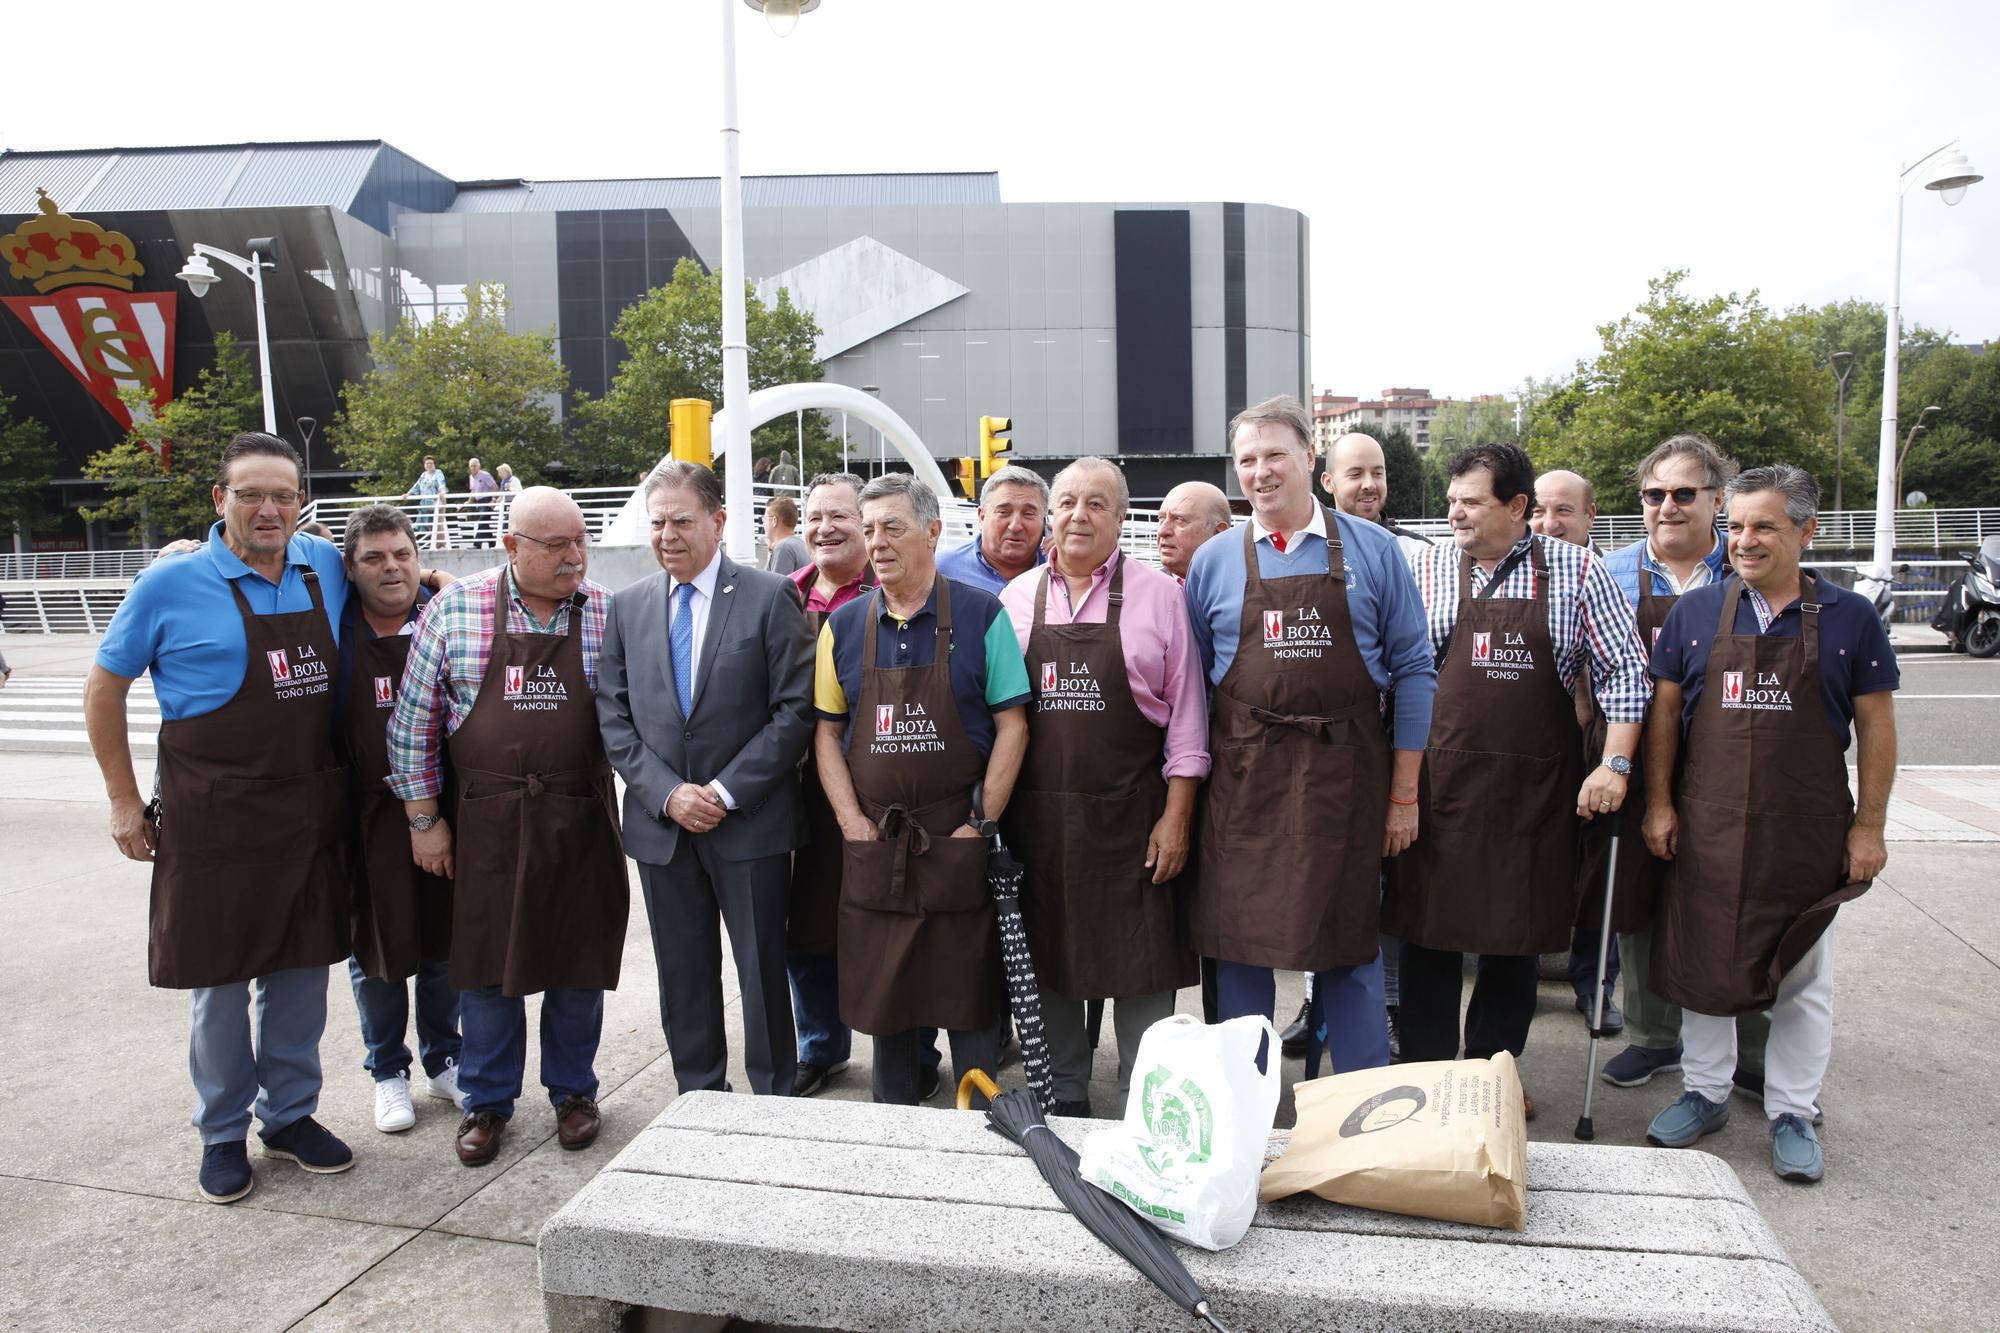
column 203, row 176
column 943, row 187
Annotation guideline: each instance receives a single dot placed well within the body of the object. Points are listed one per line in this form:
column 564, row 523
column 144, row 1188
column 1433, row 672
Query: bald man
column 1565, row 507
column 1193, row 512
column 502, row 677
column 1357, row 477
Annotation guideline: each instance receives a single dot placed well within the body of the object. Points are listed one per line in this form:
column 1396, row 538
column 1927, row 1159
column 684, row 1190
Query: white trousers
column 1796, row 1057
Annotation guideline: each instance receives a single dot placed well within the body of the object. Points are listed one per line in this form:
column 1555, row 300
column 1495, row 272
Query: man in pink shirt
column 1117, row 745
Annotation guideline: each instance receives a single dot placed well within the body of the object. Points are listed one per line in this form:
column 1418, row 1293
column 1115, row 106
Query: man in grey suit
column 704, row 696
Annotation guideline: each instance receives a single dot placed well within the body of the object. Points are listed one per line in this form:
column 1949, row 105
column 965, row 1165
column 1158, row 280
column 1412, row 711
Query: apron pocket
column 1305, row 785
column 874, row 876
column 275, row 821
column 951, row 876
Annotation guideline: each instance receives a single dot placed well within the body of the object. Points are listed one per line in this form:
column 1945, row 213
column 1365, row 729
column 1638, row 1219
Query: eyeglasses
column 558, row 543
column 255, row 499
column 1655, row 496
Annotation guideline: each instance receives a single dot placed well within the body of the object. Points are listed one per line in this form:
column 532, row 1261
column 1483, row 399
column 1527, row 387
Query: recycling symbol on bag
column 1179, row 1121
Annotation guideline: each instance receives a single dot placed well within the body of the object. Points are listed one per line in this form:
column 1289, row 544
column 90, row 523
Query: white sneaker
column 393, row 1112
column 444, row 1084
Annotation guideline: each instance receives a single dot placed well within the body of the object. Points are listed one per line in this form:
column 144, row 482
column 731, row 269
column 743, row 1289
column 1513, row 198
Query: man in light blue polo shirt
column 1013, row 514
column 249, row 854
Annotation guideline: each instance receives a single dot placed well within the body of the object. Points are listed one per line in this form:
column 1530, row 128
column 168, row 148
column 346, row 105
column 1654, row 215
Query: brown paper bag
column 1447, row 1139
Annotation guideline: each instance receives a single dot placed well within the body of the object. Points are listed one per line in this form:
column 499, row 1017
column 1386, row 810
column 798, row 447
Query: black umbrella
column 1004, row 875
column 1015, row 1114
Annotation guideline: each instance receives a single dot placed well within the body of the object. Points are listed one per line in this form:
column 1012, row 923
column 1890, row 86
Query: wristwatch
column 985, row 828
column 425, row 823
column 1618, row 764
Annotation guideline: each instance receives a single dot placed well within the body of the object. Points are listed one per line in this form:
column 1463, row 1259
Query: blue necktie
column 680, row 644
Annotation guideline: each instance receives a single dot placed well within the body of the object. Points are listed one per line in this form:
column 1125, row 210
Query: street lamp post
column 1946, row 171
column 1922, row 424
column 200, row 275
column 307, row 425
column 740, row 531
column 1843, row 366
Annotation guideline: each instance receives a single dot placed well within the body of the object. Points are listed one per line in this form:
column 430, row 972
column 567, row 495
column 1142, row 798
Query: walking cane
column 1584, row 1129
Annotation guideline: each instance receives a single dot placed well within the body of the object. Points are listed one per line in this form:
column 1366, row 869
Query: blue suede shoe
column 1687, row 1120
column 1795, row 1153
column 225, row 1172
column 1637, row 1064
column 309, row 1143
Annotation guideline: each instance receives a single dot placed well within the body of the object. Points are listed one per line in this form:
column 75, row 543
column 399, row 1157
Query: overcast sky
column 1486, row 183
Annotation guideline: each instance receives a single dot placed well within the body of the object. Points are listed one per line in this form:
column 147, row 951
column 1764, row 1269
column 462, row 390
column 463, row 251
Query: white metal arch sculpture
column 628, row 528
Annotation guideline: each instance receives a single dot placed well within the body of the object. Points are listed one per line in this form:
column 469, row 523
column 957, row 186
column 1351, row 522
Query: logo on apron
column 1656, row 635
column 281, row 669
column 1077, row 692
column 544, row 694
column 915, row 733
column 1274, row 628
column 385, row 691
column 1732, row 687
column 1767, row 695
column 514, row 687
column 298, row 670
column 885, row 720
column 1482, row 646
column 1048, row 677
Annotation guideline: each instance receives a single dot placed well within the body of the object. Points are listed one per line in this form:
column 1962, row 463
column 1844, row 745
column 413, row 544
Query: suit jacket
column 752, row 715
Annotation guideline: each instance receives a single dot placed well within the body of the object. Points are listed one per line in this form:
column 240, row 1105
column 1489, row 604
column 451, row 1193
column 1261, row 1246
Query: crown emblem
column 55, row 250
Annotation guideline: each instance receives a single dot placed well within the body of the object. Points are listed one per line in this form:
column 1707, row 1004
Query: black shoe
column 928, row 1082
column 225, row 1172
column 308, row 1143
column 1395, row 1033
column 1295, row 1035
column 1614, row 1020
column 1079, row 1109
column 814, row 1078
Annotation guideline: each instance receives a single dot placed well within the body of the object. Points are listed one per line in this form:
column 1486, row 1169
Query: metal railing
column 73, row 565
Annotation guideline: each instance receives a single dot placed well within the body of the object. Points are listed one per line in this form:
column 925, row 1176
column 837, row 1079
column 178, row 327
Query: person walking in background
column 429, row 489
column 485, row 502
column 785, row 473
column 787, row 550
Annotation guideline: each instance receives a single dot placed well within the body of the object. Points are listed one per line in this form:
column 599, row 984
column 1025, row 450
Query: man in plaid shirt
column 1493, row 872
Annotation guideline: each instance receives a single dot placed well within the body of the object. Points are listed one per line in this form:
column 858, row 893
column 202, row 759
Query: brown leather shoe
column 577, row 1123
column 479, row 1136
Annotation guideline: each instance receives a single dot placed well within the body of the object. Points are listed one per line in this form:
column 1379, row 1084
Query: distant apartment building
column 1412, row 409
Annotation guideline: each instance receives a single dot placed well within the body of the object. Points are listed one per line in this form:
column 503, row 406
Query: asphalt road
column 1948, row 711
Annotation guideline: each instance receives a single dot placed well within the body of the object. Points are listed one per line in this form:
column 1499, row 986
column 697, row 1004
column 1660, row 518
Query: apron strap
column 1114, row 596
column 537, row 783
column 1042, row 596
column 1725, row 624
column 1254, row 577
column 1336, row 558
column 940, row 591
column 1809, row 629
column 308, row 573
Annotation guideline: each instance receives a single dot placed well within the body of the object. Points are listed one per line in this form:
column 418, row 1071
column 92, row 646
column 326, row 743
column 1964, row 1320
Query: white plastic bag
column 1188, row 1154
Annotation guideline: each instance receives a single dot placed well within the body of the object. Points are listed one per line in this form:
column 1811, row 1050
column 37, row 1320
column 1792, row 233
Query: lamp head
column 783, row 15
column 198, row 274
column 1950, row 175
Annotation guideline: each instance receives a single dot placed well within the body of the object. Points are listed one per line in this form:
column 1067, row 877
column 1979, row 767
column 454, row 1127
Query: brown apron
column 251, row 873
column 1764, row 811
column 1640, row 873
column 1493, row 870
column 1291, row 831
column 919, row 944
column 1090, row 792
column 815, row 902
column 402, row 916
column 541, row 894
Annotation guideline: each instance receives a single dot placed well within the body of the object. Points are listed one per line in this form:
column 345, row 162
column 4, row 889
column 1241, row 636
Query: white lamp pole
column 1946, row 171
column 200, row 275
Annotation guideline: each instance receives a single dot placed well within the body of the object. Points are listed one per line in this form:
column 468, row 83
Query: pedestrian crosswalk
column 45, row 713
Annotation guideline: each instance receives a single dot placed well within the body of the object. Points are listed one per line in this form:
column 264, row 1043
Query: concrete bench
column 852, row 1216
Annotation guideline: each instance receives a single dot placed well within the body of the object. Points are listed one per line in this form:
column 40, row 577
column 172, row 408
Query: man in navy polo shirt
column 1013, row 513
column 249, row 871
column 1761, row 679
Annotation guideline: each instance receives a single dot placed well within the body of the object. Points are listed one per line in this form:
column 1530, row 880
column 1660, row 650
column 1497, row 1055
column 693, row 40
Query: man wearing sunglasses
column 501, row 678
column 1680, row 489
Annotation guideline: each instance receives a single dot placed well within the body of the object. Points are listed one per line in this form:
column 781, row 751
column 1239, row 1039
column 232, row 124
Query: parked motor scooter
column 1970, row 614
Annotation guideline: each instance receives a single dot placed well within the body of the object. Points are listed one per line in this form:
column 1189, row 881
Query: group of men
column 1309, row 741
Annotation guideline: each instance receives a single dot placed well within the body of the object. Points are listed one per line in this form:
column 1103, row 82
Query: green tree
column 459, row 388
column 1956, row 460
column 178, row 500
column 1859, row 327
column 27, row 465
column 673, row 344
column 1722, row 365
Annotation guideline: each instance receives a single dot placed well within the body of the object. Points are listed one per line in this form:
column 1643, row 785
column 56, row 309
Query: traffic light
column 968, row 477
column 991, row 446
column 687, row 423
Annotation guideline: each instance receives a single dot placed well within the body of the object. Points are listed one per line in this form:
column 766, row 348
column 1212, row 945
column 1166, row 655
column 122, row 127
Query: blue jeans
column 1347, row 1000
column 823, row 1039
column 495, row 1053
column 278, row 1069
column 385, row 1020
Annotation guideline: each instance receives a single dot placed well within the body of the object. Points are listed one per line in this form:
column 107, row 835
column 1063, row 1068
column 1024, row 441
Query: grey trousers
column 1069, row 1045
column 1655, row 1023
